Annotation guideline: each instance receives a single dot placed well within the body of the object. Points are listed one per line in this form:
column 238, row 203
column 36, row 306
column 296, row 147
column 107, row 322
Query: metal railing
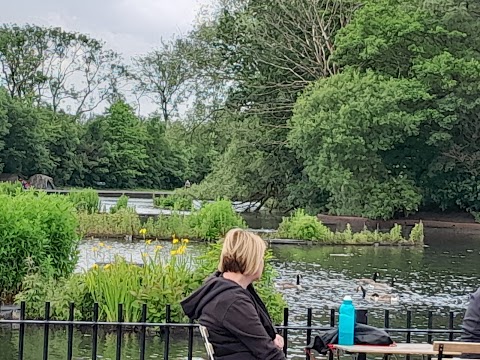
column 120, row 327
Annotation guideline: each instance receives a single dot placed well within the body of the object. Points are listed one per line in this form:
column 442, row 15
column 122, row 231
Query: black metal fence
column 120, row 327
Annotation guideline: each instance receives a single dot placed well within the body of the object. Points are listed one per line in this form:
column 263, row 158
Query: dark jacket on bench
column 471, row 323
column 238, row 322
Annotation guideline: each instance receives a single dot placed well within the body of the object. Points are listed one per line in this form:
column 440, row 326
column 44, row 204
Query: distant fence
column 141, row 327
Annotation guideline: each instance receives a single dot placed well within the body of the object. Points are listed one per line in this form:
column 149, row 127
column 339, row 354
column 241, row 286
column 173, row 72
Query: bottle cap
column 347, row 298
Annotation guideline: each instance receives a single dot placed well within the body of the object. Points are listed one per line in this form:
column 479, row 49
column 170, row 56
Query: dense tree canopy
column 353, row 107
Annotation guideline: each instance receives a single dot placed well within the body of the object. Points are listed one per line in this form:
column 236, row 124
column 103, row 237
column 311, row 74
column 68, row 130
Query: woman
column 238, row 322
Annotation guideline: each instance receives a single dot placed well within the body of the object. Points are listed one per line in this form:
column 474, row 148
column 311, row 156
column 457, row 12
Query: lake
column 438, row 278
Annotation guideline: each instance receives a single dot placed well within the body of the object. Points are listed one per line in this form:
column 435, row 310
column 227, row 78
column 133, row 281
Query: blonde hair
column 242, row 252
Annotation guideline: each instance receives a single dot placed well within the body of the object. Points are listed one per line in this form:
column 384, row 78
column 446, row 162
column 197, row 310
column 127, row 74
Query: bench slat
column 450, row 346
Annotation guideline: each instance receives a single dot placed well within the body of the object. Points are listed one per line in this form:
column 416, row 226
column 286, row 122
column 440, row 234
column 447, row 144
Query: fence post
column 362, row 318
column 285, row 331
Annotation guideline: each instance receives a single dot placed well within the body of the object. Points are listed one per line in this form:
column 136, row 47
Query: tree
column 66, row 70
column 164, row 77
column 125, row 138
column 344, row 125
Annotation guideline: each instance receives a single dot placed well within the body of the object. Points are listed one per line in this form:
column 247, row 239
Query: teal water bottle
column 346, row 324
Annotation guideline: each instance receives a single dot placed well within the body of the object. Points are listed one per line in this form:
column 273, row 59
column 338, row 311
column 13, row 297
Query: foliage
column 176, row 201
column 303, row 226
column 35, row 230
column 86, row 200
column 122, row 203
column 7, row 188
column 215, row 219
column 332, row 129
column 164, row 278
column 123, row 222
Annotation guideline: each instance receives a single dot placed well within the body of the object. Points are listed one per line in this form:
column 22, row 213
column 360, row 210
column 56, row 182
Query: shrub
column 8, row 188
column 122, row 203
column 214, row 220
column 85, row 200
column 37, row 228
column 304, row 227
column 176, row 201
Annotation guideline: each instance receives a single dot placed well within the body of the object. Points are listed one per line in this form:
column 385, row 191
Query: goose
column 287, row 285
column 382, row 286
column 373, row 280
column 385, row 298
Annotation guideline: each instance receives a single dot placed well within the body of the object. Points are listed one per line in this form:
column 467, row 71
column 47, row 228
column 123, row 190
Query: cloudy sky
column 129, row 27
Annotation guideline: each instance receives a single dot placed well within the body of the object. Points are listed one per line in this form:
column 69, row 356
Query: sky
column 130, row 27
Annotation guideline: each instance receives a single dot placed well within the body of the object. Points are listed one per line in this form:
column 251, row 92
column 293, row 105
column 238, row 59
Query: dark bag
column 364, row 335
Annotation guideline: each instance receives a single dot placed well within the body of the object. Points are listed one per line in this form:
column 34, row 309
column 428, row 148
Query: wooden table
column 396, row 349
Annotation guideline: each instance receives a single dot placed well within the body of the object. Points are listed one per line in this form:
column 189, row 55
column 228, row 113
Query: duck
column 373, row 280
column 382, row 286
column 288, row 285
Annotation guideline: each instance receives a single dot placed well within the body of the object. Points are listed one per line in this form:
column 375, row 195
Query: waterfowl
column 382, row 286
column 373, row 280
column 287, row 285
column 385, row 298
column 376, row 297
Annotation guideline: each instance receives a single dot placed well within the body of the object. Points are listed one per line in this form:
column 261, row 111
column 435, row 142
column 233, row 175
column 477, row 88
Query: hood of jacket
column 213, row 286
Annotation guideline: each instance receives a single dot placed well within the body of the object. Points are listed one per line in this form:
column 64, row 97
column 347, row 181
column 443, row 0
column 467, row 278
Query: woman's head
column 242, row 253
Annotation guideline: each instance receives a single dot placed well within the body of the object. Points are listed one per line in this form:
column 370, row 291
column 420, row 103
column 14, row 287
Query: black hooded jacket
column 238, row 322
column 471, row 322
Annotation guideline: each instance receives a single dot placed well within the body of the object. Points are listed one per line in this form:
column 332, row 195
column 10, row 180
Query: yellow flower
column 94, row 249
column 109, row 247
column 158, row 248
column 175, row 241
column 95, row 266
column 143, row 231
column 185, row 241
column 173, row 252
column 108, row 266
column 148, row 242
column 101, row 244
column 144, row 255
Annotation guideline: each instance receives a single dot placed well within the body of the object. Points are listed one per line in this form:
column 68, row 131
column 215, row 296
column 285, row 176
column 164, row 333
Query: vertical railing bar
column 430, row 327
column 309, row 331
column 450, row 325
column 361, row 316
column 95, row 332
column 190, row 340
column 143, row 332
column 21, row 335
column 46, row 329
column 118, row 354
column 285, row 331
column 409, row 327
column 71, row 318
column 166, row 352
column 332, row 324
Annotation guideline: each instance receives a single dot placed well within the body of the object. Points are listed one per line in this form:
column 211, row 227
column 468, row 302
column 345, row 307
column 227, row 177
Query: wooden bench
column 208, row 345
column 455, row 347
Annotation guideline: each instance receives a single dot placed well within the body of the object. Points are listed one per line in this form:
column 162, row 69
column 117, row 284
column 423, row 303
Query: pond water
column 437, row 278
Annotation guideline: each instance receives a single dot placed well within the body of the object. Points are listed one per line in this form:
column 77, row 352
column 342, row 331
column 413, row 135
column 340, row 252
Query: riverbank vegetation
column 163, row 279
column 306, row 227
column 38, row 230
column 286, row 118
